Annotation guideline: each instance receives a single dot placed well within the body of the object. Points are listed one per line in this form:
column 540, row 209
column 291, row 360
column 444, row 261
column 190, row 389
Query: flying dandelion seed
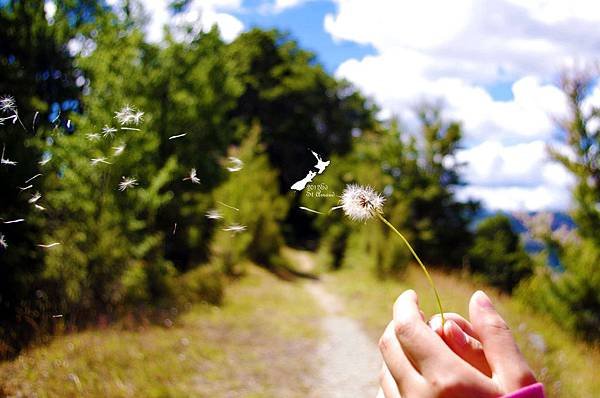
column 13, row 118
column 137, row 117
column 123, row 116
column 95, row 161
column 362, row 203
column 40, row 208
column 33, row 178
column 310, row 210
column 48, row 246
column 226, row 205
column 119, row 149
column 127, row 182
column 93, row 136
column 192, row 177
column 108, row 131
column 174, row 228
column 177, row 136
column 45, row 159
column 236, row 164
column 35, row 197
column 6, row 161
column 25, row 188
column 18, row 220
column 8, row 104
column 3, row 241
column 56, row 118
column 34, row 120
column 69, row 123
column 57, row 316
column 214, row 214
column 235, row 228
column 129, row 115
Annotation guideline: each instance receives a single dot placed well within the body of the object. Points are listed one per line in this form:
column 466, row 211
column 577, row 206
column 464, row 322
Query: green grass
column 568, row 368
column 260, row 343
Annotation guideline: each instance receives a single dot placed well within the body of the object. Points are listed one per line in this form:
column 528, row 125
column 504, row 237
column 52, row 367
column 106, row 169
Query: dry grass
column 265, row 333
column 568, row 368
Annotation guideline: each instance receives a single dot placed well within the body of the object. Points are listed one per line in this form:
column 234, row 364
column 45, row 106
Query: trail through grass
column 260, row 343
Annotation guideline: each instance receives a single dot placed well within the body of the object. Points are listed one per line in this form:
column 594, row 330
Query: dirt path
column 350, row 361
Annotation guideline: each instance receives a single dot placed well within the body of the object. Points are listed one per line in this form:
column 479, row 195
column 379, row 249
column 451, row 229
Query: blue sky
column 495, row 64
column 305, row 24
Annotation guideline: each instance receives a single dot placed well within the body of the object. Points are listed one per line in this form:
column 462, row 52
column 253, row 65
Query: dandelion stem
column 437, row 296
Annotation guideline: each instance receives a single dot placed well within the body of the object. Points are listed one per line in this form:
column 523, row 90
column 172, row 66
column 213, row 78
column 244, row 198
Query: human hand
column 482, row 360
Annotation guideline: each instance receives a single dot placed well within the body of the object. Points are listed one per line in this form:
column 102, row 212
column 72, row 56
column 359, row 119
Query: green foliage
column 37, row 70
column 570, row 296
column 497, row 254
column 254, row 192
column 203, row 283
column 418, row 174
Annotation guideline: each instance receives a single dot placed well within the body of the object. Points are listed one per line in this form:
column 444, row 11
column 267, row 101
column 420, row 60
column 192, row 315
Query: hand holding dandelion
column 362, row 203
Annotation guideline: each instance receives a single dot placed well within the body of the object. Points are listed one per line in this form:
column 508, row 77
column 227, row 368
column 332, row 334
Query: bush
column 571, row 296
column 497, row 254
column 204, row 283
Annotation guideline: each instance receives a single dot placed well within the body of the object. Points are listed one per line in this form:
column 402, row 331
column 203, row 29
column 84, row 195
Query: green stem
column 437, row 296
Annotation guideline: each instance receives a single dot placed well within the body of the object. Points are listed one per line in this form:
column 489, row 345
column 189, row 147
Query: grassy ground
column 265, row 333
column 567, row 367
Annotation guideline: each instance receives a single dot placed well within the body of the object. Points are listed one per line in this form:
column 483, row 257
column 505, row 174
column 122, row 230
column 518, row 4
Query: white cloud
column 455, row 51
column 281, row 5
column 199, row 15
column 515, row 177
column 518, row 198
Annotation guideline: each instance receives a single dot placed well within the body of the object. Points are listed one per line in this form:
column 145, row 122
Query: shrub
column 497, row 254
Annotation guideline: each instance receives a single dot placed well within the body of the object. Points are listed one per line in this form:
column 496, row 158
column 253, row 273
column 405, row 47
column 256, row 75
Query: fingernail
column 456, row 333
column 436, row 324
column 483, row 300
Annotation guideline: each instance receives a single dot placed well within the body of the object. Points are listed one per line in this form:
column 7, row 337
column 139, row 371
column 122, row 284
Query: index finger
column 421, row 344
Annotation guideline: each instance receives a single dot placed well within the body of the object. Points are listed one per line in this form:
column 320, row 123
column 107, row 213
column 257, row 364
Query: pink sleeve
column 533, row 391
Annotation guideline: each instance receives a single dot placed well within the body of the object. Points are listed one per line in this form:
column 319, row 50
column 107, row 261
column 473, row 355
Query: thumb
column 508, row 365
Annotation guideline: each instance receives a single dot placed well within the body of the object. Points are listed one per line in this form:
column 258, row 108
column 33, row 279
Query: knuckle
column 444, row 385
column 404, row 329
column 496, row 324
column 385, row 342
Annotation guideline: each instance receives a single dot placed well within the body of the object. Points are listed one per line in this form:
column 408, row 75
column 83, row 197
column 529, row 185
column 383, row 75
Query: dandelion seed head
column 8, row 104
column 361, row 203
column 127, row 182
